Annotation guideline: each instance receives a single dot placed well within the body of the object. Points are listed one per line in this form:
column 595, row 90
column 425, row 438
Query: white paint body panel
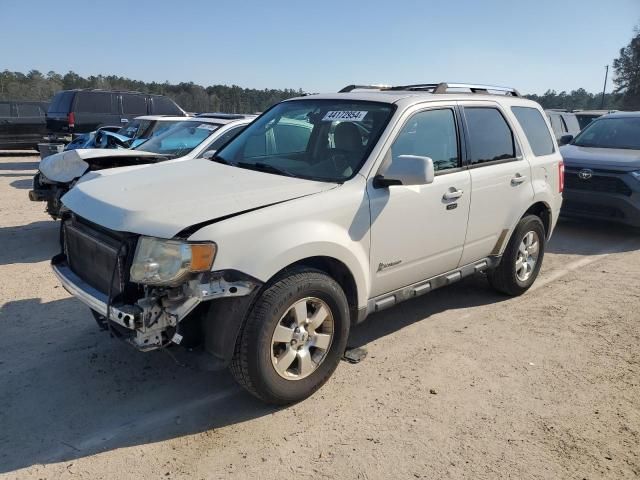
column 163, row 199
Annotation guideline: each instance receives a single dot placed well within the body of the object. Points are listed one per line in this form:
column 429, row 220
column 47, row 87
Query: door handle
column 452, row 194
column 518, row 179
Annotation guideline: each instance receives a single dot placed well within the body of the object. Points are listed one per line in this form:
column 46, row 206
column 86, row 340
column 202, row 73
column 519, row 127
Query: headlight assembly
column 168, row 262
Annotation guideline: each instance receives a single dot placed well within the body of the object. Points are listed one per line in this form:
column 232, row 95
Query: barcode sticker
column 344, row 116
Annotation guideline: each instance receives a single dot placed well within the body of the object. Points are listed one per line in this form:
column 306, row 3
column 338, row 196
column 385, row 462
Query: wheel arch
column 337, row 270
column 542, row 210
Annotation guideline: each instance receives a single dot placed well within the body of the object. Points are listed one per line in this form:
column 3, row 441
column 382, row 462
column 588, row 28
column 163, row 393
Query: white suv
column 325, row 209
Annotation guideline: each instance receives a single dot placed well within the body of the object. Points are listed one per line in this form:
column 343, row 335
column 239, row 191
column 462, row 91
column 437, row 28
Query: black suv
column 22, row 123
column 82, row 111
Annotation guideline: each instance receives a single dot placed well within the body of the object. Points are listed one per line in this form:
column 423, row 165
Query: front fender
column 334, row 223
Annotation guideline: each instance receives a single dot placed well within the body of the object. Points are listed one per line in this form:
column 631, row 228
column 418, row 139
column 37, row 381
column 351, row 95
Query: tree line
column 35, row 85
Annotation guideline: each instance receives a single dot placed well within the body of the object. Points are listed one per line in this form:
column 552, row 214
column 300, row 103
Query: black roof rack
column 439, row 88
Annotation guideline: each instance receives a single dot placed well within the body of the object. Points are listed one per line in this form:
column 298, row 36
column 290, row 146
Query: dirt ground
column 460, row 383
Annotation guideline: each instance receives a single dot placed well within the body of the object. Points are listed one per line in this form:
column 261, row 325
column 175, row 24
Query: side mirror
column 209, row 154
column 565, row 139
column 405, row 170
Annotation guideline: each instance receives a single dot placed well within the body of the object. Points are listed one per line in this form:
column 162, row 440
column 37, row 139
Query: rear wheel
column 293, row 338
column 522, row 258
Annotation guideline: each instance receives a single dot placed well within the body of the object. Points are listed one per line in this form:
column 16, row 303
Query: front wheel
column 293, row 338
column 522, row 258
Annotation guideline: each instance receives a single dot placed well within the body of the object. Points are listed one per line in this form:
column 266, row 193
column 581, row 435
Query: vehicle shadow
column 22, row 184
column 581, row 237
column 31, row 243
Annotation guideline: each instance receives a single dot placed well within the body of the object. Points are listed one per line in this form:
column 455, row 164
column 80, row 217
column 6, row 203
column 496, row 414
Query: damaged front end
column 46, row 190
column 95, row 267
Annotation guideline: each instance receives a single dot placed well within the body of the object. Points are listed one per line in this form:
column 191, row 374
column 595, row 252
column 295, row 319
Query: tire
column 286, row 371
column 509, row 277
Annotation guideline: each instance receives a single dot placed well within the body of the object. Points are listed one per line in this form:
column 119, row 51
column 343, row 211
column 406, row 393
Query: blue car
column 131, row 135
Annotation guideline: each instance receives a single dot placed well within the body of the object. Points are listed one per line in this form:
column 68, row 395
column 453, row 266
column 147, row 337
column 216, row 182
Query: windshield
column 179, row 139
column 621, row 132
column 325, row 140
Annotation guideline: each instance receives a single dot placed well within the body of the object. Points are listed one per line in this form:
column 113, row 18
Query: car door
column 501, row 187
column 418, row 232
column 133, row 105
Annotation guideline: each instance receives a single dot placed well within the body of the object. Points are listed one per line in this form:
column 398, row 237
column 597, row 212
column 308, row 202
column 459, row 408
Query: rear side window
column 490, row 137
column 5, row 109
column 61, row 102
column 28, row 110
column 164, row 106
column 535, row 129
column 430, row 134
column 134, row 104
column 94, row 102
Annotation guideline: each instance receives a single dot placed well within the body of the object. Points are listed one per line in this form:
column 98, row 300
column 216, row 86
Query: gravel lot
column 461, row 383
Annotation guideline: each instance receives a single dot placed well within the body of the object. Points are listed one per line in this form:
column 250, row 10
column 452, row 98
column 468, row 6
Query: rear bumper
column 602, row 206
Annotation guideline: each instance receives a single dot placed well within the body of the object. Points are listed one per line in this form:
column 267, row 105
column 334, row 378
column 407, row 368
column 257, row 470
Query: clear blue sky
column 323, row 45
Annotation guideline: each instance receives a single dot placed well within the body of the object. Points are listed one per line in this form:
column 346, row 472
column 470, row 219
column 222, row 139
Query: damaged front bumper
column 151, row 322
column 45, row 190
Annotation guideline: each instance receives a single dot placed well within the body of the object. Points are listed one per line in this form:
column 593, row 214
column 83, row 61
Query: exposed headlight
column 636, row 175
column 168, row 262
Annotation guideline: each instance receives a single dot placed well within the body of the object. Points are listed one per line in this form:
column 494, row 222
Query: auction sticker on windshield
column 344, row 116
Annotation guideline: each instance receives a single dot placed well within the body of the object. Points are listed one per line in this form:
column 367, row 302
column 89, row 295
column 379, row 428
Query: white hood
column 163, row 199
column 66, row 166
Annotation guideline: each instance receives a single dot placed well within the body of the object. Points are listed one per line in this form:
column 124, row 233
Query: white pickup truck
column 327, row 208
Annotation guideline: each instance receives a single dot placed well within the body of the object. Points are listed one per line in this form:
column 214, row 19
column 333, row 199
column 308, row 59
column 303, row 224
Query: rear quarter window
column 535, row 129
column 95, row 102
column 134, row 104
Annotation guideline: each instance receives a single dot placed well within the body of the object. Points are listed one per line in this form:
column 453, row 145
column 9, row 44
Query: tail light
column 72, row 120
column 561, row 176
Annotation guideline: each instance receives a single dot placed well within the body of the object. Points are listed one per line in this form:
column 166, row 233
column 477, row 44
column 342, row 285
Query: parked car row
column 169, row 138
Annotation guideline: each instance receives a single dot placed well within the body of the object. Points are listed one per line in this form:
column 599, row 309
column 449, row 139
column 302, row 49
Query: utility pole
column 604, row 88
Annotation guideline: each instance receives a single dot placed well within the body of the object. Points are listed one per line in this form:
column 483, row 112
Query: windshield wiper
column 265, row 167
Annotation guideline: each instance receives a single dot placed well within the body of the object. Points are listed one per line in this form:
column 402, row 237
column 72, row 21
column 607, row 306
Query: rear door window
column 535, row 129
column 134, row 104
column 95, row 102
column 5, row 109
column 490, row 137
